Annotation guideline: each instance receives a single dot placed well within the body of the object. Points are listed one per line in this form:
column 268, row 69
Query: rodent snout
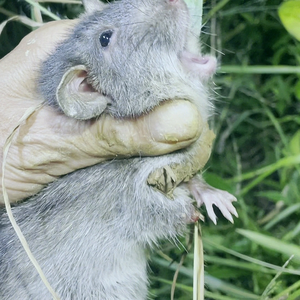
column 175, row 2
column 203, row 66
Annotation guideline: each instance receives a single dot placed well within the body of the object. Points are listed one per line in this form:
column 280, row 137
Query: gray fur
column 89, row 230
column 90, row 240
column 140, row 68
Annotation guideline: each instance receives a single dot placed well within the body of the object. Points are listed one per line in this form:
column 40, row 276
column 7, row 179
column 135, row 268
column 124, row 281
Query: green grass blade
column 272, row 243
column 260, row 69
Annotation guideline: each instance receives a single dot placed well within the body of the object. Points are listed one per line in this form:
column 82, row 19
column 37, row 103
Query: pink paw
column 209, row 196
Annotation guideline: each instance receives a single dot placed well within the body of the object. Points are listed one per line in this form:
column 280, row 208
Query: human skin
column 49, row 144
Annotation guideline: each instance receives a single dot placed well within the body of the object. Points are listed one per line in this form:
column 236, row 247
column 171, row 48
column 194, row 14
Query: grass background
column 256, row 154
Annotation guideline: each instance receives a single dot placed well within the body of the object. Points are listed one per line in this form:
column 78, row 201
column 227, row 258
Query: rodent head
column 126, row 57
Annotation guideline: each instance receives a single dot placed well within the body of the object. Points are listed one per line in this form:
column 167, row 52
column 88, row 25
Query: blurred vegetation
column 256, row 154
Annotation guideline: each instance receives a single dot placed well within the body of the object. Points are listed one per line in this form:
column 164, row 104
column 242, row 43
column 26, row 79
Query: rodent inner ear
column 84, row 86
column 77, row 98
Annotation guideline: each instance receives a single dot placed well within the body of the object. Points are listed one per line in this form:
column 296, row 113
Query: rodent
column 89, row 230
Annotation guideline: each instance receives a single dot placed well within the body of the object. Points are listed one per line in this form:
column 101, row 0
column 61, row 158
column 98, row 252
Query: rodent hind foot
column 209, row 196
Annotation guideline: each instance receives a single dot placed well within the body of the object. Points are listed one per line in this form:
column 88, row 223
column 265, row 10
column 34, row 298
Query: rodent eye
column 105, row 38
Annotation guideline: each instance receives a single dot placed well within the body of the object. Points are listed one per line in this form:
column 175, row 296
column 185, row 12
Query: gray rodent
column 89, row 230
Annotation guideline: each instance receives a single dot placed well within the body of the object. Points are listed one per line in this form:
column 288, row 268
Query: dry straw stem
column 176, row 276
column 12, row 220
column 196, row 8
column 43, row 10
column 37, row 14
column 22, row 19
column 182, row 259
column 198, row 284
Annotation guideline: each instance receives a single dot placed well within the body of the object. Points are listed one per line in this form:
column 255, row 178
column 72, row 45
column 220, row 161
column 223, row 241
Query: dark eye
column 105, row 38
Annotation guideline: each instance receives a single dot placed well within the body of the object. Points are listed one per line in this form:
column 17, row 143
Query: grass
column 256, row 154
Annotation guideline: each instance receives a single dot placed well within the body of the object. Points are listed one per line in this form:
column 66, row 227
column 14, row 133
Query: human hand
column 50, row 144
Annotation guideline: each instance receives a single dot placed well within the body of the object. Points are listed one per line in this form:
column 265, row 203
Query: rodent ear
column 77, row 98
column 92, row 5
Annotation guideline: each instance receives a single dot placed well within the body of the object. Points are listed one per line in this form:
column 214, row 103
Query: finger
column 171, row 126
column 173, row 122
column 19, row 69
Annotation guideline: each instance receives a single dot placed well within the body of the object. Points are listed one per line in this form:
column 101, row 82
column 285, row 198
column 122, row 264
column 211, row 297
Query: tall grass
column 256, row 154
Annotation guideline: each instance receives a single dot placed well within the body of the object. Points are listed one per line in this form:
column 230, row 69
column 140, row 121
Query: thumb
column 170, row 127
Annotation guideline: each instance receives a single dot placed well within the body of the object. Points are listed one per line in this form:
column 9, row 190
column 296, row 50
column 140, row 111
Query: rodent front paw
column 163, row 179
column 167, row 178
